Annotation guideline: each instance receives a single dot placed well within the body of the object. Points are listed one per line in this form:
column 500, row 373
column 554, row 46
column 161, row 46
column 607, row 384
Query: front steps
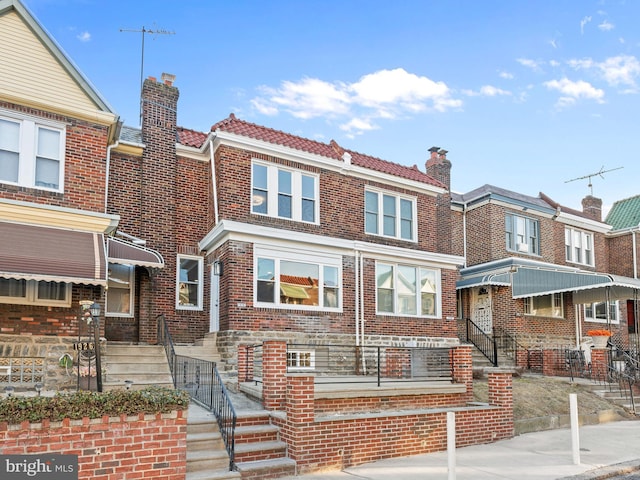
column 207, row 457
column 259, row 452
column 622, row 398
column 144, row 365
column 203, row 349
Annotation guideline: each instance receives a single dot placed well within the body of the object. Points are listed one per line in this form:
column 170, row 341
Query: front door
column 481, row 309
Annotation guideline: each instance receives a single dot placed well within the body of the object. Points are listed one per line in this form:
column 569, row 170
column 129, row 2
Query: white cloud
column 527, row 62
column 554, row 63
column 84, row 37
column 622, row 70
column 572, row 91
column 506, row 75
column 385, row 94
column 553, row 43
column 487, row 91
column 606, row 26
column 583, row 22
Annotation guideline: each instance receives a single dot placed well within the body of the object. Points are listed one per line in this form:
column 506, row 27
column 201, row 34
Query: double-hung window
column 287, row 279
column 189, row 289
column 284, row 193
column 32, row 153
column 121, row 290
column 389, row 215
column 578, row 246
column 407, row 290
column 545, row 306
column 33, row 292
column 597, row 312
column 522, row 234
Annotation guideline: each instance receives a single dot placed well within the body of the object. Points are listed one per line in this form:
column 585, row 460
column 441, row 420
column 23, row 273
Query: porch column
column 300, row 409
column 501, row 395
column 245, row 363
column 599, row 363
column 274, row 371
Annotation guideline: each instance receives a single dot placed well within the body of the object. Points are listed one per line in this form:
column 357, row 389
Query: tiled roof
column 330, row 150
column 624, row 213
column 190, row 138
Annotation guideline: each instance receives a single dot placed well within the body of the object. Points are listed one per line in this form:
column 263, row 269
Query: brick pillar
column 599, row 363
column 300, row 410
column 274, row 371
column 463, row 368
column 501, row 395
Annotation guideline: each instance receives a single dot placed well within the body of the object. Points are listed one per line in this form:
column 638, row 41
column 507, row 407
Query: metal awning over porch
column 529, row 278
column 128, row 253
column 30, row 252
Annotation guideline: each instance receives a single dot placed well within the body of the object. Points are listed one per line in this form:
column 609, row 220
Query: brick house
column 58, row 243
column 269, row 235
column 540, row 272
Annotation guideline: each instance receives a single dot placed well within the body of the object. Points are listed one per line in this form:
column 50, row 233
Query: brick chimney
column 438, row 166
column 159, row 192
column 592, row 207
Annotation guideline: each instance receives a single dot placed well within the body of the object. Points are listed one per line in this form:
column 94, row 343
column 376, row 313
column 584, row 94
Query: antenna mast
column 142, row 32
column 600, row 172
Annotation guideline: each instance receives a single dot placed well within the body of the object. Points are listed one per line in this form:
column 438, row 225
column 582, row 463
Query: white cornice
column 192, row 152
column 230, row 230
column 47, row 215
column 581, row 222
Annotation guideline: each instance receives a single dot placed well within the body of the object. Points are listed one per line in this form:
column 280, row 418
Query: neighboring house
column 58, row 243
column 537, row 271
column 623, row 242
column 269, row 235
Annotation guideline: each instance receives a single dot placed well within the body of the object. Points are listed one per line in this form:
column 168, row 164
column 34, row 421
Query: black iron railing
column 205, row 386
column 374, row 364
column 512, row 349
column 483, row 342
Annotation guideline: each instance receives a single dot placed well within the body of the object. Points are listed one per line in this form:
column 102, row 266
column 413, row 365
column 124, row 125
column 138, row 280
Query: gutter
column 214, row 186
column 116, row 136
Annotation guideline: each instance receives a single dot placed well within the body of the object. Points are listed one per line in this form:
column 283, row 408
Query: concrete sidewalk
column 544, row 455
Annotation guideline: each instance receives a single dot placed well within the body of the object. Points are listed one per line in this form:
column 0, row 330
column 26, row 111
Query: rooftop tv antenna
column 600, row 172
column 144, row 31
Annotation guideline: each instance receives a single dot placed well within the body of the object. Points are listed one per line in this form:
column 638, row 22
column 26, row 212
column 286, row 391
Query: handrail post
column 378, row 365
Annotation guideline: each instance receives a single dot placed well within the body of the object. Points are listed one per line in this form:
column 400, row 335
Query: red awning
column 33, row 252
column 122, row 251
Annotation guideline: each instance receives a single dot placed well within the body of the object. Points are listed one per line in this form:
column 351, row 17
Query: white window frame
column 299, row 256
column 31, row 296
column 380, row 216
column 296, row 194
column 521, row 237
column 575, row 242
column 131, row 290
column 437, row 305
column 199, row 283
column 29, row 128
column 297, row 356
column 614, row 306
column 557, row 301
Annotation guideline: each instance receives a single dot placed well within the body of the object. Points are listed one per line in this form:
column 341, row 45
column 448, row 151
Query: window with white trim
column 389, row 215
column 407, row 290
column 597, row 312
column 301, row 359
column 545, row 306
column 34, row 292
column 32, row 153
column 121, row 290
column 289, row 280
column 284, row 193
column 522, row 234
column 189, row 288
column 578, row 246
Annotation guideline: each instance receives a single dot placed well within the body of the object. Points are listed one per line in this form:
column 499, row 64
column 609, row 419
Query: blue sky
column 525, row 95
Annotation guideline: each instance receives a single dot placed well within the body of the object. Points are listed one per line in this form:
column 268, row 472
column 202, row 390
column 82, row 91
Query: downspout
column 357, row 295
column 635, row 259
column 116, row 135
column 576, row 309
column 361, row 268
column 464, row 233
column 213, row 182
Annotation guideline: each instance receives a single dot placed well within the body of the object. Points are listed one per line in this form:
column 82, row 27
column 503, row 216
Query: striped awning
column 128, row 253
column 33, row 252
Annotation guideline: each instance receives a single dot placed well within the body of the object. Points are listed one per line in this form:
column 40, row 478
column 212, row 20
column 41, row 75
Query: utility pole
column 143, row 31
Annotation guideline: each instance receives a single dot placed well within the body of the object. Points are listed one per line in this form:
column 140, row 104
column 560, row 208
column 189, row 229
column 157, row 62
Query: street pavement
column 609, row 450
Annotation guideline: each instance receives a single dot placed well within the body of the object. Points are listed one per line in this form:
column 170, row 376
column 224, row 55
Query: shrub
column 82, row 404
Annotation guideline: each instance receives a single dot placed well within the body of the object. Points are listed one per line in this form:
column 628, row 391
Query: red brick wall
column 109, row 448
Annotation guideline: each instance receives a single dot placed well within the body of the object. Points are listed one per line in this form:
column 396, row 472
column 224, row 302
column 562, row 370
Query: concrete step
column 256, row 433
column 144, row 365
column 251, row 452
column 204, row 441
column 213, row 475
column 273, row 468
column 200, row 460
column 207, row 457
column 254, row 417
